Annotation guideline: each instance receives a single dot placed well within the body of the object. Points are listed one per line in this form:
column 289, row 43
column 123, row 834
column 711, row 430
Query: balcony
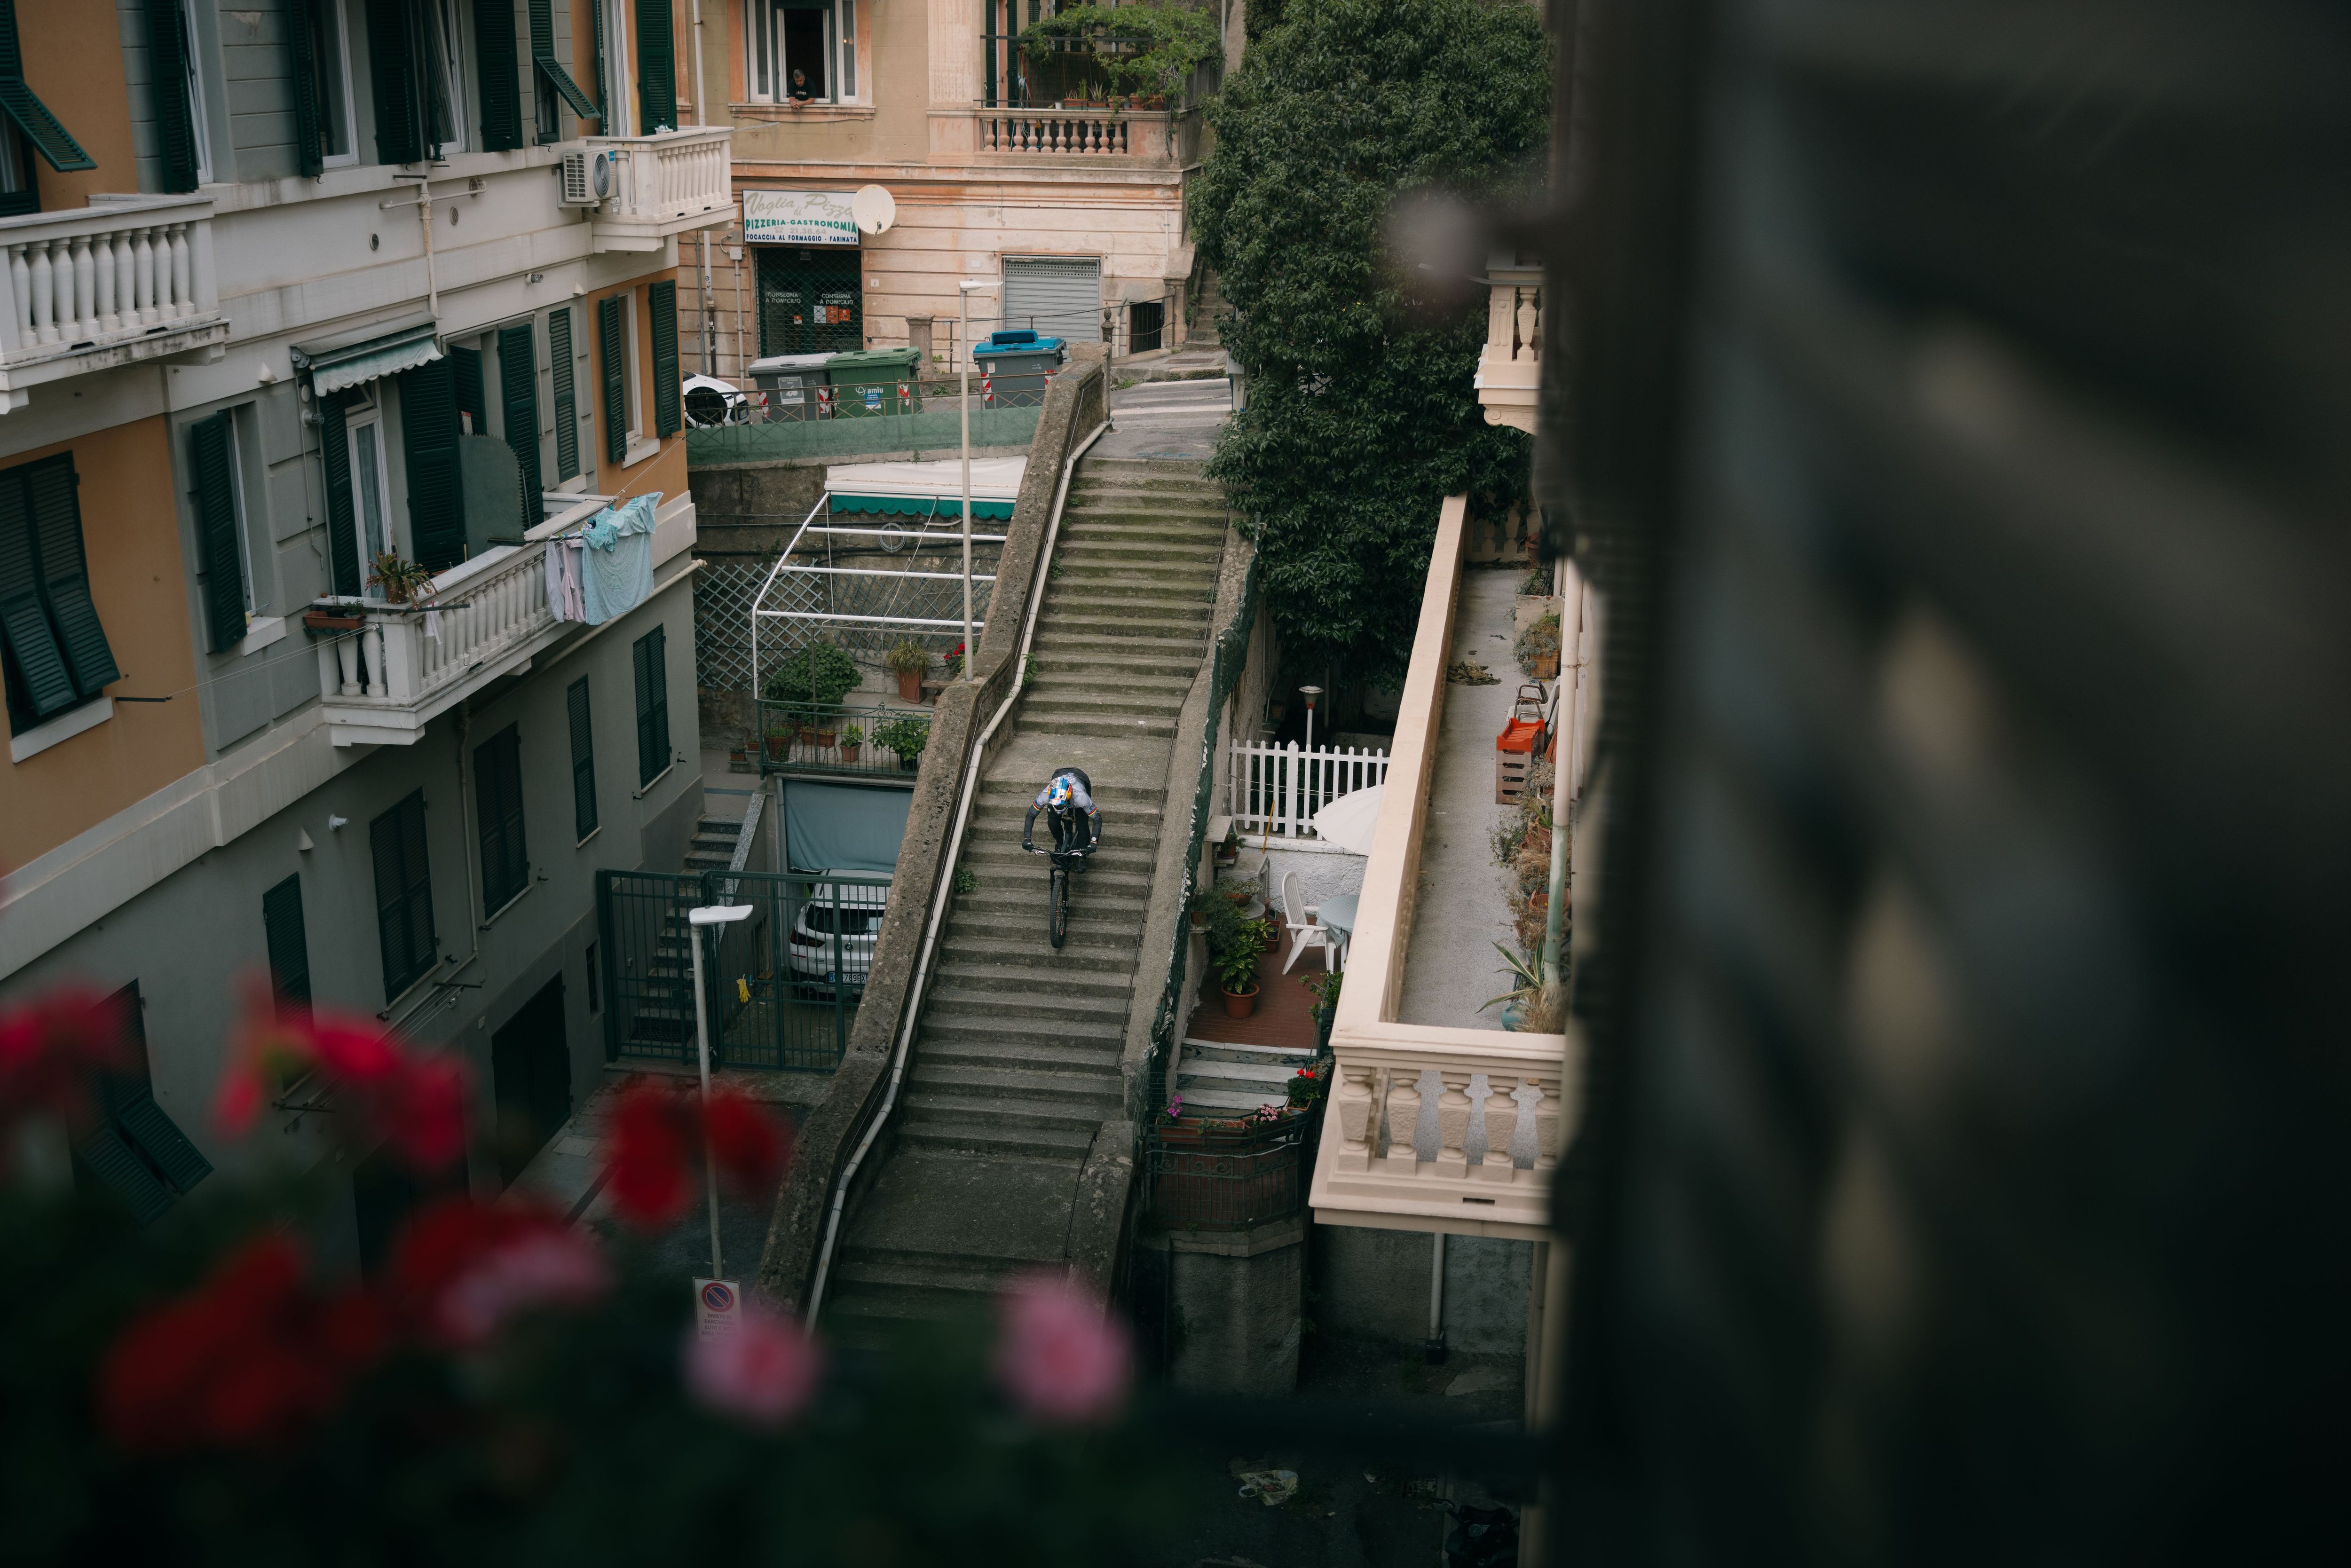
column 664, row 184
column 1132, row 137
column 383, row 680
column 1509, row 367
column 123, row 280
column 1441, row 1119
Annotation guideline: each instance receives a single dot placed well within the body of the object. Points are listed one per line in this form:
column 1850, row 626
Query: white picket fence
column 1279, row 788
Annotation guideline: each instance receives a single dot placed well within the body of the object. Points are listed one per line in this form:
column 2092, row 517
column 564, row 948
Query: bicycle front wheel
column 1057, row 923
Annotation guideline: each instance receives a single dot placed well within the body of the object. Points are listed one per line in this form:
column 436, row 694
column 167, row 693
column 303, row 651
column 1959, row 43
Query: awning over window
column 922, row 506
column 335, row 365
column 926, row 490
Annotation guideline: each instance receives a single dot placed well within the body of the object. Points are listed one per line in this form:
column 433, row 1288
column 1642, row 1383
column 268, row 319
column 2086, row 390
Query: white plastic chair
column 1307, row 932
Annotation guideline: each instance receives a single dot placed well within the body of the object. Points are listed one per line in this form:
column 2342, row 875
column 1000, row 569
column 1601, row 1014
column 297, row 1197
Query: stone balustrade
column 666, row 185
column 1132, row 133
column 1509, row 367
column 126, row 278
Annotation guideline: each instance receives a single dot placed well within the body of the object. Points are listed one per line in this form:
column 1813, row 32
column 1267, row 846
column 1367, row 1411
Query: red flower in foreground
column 415, row 1103
column 51, row 1047
column 256, row 1354
column 763, row 1373
column 656, row 1134
column 464, row 1269
column 1063, row 1359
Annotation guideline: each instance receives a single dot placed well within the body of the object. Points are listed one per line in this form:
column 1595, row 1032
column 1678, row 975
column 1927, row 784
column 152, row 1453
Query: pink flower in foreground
column 51, row 1046
column 1062, row 1358
column 763, row 1373
column 552, row 1266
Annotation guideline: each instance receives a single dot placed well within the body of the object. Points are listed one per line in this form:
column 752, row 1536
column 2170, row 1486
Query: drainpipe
column 1434, row 1350
column 708, row 323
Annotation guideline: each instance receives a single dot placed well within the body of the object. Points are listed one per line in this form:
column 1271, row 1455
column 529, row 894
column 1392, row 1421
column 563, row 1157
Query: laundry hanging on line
column 605, row 568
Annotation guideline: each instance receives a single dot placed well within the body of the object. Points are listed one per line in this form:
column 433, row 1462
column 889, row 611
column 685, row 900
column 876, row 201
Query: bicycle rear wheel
column 1057, row 922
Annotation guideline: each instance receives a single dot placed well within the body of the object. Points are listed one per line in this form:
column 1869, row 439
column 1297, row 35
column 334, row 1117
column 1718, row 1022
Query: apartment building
column 294, row 288
column 1001, row 165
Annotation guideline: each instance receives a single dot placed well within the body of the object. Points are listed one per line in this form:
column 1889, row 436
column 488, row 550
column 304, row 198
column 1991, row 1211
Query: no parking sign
column 718, row 1307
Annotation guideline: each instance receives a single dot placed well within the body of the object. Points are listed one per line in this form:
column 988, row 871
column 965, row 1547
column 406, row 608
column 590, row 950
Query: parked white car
column 711, row 402
column 824, row 955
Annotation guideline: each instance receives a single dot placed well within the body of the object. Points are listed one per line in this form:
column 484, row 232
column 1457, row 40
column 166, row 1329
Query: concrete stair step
column 1022, row 1055
column 1208, row 1099
column 1171, row 468
column 1128, row 797
column 1199, row 548
column 1087, row 571
column 1108, row 728
column 971, row 1134
column 978, row 1273
column 1034, row 978
column 1116, row 663
column 1037, row 1006
column 1067, row 639
column 1187, row 597
column 1012, row 1112
column 1123, row 857
column 996, row 1029
column 1289, row 1059
column 1218, row 1072
column 1095, row 1092
column 1004, row 905
column 1100, row 952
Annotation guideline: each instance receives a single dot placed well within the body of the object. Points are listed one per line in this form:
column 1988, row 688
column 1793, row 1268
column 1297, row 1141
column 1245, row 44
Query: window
column 612, row 17
column 290, row 947
column 518, row 406
column 421, row 56
column 403, row 894
column 26, row 126
column 661, row 303
column 428, row 437
column 566, row 397
column 444, row 76
column 650, row 659
column 497, row 787
column 802, row 50
column 371, row 493
column 656, row 68
column 322, row 84
column 616, row 334
column 138, row 1151
column 221, row 549
column 57, row 653
column 182, row 138
column 583, row 760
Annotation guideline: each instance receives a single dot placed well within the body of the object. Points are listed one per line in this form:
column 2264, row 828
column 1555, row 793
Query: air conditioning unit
column 588, row 177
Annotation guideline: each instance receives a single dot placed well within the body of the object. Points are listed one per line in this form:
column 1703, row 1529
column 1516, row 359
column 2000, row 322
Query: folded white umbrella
column 1349, row 821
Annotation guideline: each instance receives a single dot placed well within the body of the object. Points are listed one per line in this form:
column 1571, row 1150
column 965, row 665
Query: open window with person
column 801, row 51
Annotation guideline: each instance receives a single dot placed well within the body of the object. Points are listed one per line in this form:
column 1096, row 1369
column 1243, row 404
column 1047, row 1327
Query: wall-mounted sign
column 799, row 217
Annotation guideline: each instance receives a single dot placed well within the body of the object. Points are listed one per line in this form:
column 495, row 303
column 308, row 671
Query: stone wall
column 1374, row 1284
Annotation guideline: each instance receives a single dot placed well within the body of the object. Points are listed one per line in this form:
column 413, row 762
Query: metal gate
column 1058, row 295
column 781, row 987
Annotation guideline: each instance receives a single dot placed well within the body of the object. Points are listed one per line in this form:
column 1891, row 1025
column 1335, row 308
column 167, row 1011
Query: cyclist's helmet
column 1057, row 793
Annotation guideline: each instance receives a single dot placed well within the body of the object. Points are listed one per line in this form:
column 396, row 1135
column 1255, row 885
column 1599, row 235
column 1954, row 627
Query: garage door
column 1058, row 295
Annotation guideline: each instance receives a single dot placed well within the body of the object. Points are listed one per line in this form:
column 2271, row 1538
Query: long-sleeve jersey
column 1081, row 799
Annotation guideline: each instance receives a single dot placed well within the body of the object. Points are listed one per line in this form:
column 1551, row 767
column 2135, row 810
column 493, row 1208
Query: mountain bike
column 1057, row 898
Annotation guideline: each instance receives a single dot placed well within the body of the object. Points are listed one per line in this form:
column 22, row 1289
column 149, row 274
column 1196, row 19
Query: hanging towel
column 575, row 599
column 616, row 569
column 553, row 559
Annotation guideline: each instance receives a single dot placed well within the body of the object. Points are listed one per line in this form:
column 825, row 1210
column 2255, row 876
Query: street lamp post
column 964, row 291
column 697, row 921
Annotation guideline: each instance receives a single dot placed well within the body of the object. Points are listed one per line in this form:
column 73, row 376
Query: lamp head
column 718, row 913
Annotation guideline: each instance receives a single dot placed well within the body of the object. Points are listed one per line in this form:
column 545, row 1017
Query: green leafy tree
column 1361, row 416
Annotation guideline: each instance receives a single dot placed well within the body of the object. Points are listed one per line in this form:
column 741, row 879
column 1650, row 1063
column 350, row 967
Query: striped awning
column 347, row 365
column 920, row 506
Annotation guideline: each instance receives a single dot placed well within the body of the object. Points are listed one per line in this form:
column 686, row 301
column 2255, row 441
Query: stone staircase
column 1016, row 1060
column 1235, row 1079
column 1208, row 309
column 713, row 847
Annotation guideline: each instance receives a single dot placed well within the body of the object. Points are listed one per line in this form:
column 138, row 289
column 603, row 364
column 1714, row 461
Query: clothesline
column 603, row 567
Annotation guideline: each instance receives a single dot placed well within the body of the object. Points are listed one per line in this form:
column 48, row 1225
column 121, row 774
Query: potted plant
column 851, row 739
column 954, row 662
column 779, row 743
column 1237, row 976
column 1538, row 648
column 1228, row 853
column 909, row 662
column 341, row 615
column 403, row 581
column 819, row 675
column 906, row 736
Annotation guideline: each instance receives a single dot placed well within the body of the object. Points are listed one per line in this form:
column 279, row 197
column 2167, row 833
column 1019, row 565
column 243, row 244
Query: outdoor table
column 1338, row 916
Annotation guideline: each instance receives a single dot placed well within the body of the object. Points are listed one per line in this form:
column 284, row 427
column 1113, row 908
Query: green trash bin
column 875, row 382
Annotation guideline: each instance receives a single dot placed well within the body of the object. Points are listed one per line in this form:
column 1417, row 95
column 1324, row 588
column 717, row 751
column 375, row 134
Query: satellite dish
column 874, row 208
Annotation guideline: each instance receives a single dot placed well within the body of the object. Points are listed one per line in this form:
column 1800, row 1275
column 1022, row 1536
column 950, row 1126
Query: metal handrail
column 944, row 892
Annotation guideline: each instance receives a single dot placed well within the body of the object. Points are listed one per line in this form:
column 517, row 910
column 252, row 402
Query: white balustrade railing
column 1061, row 130
column 675, row 174
column 1278, row 788
column 1430, row 1113
column 402, row 655
column 117, row 270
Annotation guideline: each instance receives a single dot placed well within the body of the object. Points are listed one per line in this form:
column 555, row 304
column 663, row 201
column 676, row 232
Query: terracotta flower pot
column 1546, row 666
column 1241, row 1004
column 820, row 737
column 326, row 621
column 848, row 753
column 779, row 746
column 909, row 685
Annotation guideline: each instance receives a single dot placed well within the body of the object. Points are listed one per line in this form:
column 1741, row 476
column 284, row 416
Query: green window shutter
column 549, row 70
column 342, row 514
column 149, row 1134
column 497, row 788
column 19, row 104
column 403, row 894
column 302, row 53
column 567, row 400
column 211, row 459
column 53, row 489
column 394, row 61
column 652, row 667
column 583, row 759
column 660, row 300
column 501, row 75
column 289, row 946
column 611, row 343
column 519, row 395
column 41, row 684
column 110, row 1161
column 428, row 428
column 167, row 80
column 657, row 68
column 596, row 22
column 465, row 365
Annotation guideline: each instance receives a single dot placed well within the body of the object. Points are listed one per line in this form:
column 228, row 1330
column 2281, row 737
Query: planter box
column 325, row 620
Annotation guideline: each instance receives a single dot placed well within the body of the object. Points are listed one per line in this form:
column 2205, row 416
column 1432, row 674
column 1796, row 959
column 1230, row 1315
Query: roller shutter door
column 1058, row 295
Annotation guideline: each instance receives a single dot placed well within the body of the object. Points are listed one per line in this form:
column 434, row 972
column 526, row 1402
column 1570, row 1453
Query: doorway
column 811, row 300
column 530, row 1066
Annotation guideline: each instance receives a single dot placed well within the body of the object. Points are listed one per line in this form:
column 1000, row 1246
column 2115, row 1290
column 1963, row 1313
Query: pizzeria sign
column 799, row 217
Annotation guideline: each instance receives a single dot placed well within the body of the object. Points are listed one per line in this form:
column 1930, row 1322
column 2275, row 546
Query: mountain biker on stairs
column 1066, row 794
